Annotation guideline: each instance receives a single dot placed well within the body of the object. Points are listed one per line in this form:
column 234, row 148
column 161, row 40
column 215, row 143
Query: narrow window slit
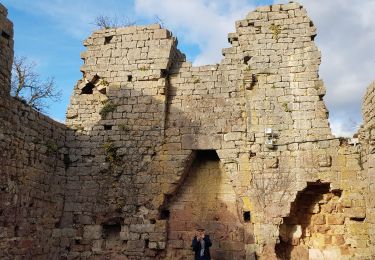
column 246, row 216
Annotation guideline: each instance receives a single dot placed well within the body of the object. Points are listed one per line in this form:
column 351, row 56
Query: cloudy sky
column 50, row 32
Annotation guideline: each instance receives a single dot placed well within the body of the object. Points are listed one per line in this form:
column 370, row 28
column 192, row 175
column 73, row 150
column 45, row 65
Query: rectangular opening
column 111, row 231
column 130, row 78
column 107, row 127
column 209, row 155
column 246, row 216
column 164, row 214
column 112, row 228
column 358, row 219
column 164, row 73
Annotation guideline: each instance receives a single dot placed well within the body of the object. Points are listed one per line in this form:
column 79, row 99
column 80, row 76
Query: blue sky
column 51, row 32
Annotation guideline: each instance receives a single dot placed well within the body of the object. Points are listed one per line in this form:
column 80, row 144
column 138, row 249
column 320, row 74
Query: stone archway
column 205, row 198
column 315, row 227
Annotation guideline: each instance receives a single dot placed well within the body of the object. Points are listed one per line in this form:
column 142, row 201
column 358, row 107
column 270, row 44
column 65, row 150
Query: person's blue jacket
column 196, row 245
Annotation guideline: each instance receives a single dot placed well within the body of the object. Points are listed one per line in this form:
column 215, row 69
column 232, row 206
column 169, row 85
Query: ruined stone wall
column 142, row 112
column 32, row 181
column 367, row 134
column 123, row 177
column 31, row 170
column 6, row 51
column 118, row 113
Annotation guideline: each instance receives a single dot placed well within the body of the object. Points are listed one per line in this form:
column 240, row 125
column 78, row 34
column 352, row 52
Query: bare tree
column 106, row 22
column 28, row 87
column 271, row 184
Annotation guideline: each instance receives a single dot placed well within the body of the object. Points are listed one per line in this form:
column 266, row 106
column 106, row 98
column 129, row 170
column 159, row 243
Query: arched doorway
column 316, row 227
column 206, row 198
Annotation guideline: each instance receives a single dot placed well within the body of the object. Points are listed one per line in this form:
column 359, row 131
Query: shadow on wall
column 121, row 168
column 123, row 154
column 207, row 199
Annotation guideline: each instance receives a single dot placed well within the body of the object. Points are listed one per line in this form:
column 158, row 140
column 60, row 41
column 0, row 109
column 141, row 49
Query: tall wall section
column 367, row 134
column 31, row 169
column 6, row 51
column 142, row 114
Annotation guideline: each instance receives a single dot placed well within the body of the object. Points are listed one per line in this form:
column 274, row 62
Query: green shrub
column 108, row 107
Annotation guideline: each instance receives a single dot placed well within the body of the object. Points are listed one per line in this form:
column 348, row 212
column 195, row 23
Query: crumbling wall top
column 6, row 51
column 3, row 10
column 368, row 108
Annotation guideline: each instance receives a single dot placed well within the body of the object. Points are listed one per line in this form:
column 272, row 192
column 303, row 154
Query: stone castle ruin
column 153, row 146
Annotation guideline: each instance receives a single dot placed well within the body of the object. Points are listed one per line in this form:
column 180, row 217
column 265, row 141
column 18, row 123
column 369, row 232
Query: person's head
column 200, row 231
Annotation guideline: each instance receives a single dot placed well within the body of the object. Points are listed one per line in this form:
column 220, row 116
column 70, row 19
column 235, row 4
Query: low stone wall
column 32, row 181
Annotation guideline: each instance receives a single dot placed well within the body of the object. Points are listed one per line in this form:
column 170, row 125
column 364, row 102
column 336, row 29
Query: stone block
column 318, row 219
column 336, row 219
column 315, row 254
column 161, row 34
column 272, row 163
column 324, row 160
column 136, row 245
column 201, row 142
column 92, row 232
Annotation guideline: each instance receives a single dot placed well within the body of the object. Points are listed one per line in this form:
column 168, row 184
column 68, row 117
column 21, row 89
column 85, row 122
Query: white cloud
column 346, row 34
column 204, row 23
column 342, row 128
column 74, row 17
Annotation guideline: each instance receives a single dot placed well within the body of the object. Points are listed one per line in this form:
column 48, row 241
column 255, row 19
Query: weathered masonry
column 153, row 146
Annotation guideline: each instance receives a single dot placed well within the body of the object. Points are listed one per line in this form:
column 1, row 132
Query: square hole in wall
column 88, row 89
column 107, row 127
column 246, row 216
column 164, row 214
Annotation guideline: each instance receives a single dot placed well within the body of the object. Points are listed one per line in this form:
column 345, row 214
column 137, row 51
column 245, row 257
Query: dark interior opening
column 313, row 37
column 5, row 35
column 246, row 216
column 108, row 39
column 103, row 91
column 246, row 59
column 358, row 219
column 107, row 127
column 209, row 155
column 164, row 214
column 112, row 228
column 164, row 73
column 88, row 89
column 130, row 78
column 16, row 230
column 300, row 214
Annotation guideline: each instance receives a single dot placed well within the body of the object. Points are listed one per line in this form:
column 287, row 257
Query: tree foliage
column 28, row 87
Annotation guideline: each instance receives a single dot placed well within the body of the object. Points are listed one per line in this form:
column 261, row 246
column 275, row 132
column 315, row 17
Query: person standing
column 201, row 245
